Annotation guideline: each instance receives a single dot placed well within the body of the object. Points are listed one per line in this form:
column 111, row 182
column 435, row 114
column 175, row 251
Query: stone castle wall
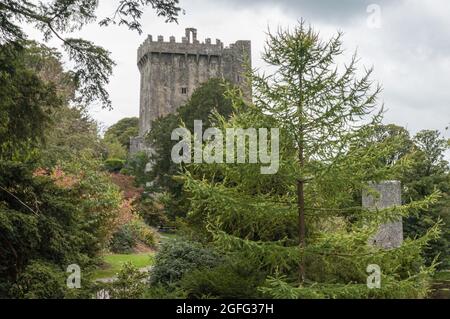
column 171, row 71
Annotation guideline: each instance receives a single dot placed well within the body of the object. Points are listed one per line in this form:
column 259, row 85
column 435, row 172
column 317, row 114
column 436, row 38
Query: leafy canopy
column 59, row 18
column 26, row 102
column 122, row 131
column 208, row 99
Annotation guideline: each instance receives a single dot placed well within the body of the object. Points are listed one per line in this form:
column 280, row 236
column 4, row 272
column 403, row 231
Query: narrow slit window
column 183, row 90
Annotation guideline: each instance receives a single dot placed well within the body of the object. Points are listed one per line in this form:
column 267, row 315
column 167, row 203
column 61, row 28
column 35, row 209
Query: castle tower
column 171, row 71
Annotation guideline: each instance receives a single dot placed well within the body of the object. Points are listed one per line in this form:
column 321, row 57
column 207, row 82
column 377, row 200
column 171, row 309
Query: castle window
column 183, row 90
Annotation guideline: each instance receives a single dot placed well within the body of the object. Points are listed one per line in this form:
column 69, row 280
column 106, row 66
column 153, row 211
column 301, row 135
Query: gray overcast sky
column 410, row 51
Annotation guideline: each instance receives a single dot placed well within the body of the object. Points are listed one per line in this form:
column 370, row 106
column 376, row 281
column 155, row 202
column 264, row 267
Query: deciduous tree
column 59, row 18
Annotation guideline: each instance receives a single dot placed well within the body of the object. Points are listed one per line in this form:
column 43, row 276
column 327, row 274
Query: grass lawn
column 114, row 262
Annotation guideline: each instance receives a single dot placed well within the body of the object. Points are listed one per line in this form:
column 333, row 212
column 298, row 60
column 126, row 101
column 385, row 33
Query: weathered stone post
column 389, row 235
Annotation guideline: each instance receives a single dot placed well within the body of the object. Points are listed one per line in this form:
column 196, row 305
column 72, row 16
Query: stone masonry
column 171, row 71
column 389, row 235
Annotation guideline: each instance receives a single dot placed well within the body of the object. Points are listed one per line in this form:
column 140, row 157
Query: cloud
column 411, row 57
column 341, row 11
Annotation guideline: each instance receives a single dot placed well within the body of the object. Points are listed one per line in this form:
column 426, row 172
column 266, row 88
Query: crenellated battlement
column 184, row 40
column 188, row 45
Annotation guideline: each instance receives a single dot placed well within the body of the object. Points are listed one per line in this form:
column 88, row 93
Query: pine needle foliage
column 304, row 226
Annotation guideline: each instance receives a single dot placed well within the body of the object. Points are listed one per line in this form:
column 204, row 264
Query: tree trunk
column 301, row 219
column 301, row 186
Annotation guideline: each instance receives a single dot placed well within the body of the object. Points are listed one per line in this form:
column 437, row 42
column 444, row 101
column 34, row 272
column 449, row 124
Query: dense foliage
column 125, row 239
column 235, row 278
column 60, row 217
column 59, row 18
column 208, row 99
column 429, row 172
column 426, row 172
column 25, row 103
column 57, row 207
column 67, row 195
column 304, row 226
column 114, row 165
column 130, row 284
column 122, row 131
column 177, row 257
column 136, row 166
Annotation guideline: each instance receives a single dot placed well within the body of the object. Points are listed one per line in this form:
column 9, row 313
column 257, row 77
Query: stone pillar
column 389, row 235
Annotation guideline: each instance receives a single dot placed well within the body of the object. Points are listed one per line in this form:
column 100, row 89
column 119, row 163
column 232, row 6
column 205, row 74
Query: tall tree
column 425, row 171
column 58, row 18
column 71, row 132
column 303, row 227
column 428, row 172
column 56, row 207
column 318, row 103
column 122, row 131
column 26, row 102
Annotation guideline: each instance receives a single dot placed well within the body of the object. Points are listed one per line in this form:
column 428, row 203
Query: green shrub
column 113, row 165
column 391, row 288
column 152, row 212
column 123, row 241
column 176, row 258
column 143, row 233
column 127, row 237
column 40, row 280
column 130, row 283
column 75, row 208
column 135, row 166
column 231, row 280
column 161, row 291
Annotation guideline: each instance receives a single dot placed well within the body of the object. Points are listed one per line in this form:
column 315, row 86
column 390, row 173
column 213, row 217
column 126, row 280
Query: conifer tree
column 304, row 226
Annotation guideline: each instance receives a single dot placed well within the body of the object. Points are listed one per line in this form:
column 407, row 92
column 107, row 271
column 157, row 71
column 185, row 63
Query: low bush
column 176, row 258
column 130, row 283
column 143, row 233
column 130, row 234
column 230, row 280
column 160, row 291
column 152, row 212
column 123, row 241
column 113, row 165
column 40, row 280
